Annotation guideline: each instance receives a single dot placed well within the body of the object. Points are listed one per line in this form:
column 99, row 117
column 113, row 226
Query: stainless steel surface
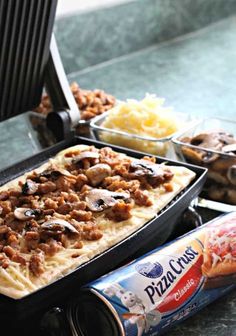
column 213, row 205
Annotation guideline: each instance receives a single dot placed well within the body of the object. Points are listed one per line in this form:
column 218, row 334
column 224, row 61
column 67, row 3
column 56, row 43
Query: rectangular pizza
column 70, row 209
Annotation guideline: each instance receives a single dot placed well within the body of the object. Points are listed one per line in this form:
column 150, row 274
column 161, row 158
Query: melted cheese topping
column 221, row 245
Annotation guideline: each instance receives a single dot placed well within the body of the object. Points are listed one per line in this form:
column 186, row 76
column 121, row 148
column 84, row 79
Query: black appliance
column 29, row 60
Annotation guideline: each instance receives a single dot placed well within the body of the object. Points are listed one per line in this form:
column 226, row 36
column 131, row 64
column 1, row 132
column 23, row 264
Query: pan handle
column 189, row 220
column 55, row 323
column 192, row 217
column 59, row 124
column 58, row 87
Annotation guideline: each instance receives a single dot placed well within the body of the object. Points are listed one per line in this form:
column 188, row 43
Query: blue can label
column 173, row 282
column 150, row 270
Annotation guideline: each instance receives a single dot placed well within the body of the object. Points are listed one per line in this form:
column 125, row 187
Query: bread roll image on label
column 162, row 288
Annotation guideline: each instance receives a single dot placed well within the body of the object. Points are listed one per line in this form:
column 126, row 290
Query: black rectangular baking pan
column 152, row 234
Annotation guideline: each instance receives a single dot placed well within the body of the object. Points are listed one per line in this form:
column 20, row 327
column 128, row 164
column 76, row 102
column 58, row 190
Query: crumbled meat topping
column 120, row 212
column 141, row 198
column 50, row 210
column 91, row 231
column 4, row 195
column 36, row 264
column 90, row 103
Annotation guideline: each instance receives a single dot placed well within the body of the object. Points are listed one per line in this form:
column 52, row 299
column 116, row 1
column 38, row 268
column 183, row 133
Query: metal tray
column 152, row 234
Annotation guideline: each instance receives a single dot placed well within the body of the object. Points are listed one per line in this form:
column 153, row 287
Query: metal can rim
column 76, row 329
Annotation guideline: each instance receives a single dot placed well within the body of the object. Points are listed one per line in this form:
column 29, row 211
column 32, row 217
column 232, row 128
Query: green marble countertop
column 196, row 73
column 219, row 318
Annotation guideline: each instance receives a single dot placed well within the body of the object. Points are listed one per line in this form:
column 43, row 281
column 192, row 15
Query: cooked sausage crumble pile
column 91, row 103
column 57, row 208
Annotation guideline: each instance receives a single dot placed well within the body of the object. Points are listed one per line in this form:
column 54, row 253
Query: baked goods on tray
column 75, row 206
column 215, row 150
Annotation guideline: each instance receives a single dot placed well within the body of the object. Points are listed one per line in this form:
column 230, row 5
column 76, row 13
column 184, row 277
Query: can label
column 173, row 282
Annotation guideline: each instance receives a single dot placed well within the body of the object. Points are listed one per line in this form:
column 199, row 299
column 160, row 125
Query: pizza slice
column 219, row 264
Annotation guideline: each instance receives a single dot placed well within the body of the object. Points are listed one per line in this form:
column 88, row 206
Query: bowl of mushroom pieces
column 211, row 143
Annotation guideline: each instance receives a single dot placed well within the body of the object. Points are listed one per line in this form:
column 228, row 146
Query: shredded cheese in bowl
column 148, row 118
